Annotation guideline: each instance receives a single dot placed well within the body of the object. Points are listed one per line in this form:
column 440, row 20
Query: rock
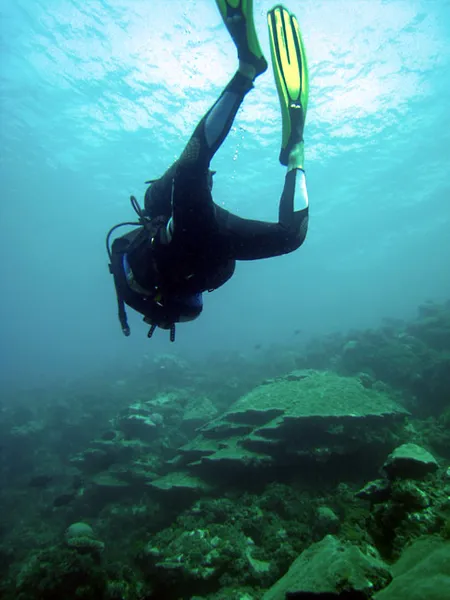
column 327, row 520
column 375, row 491
column 80, row 536
column 308, row 416
column 109, row 435
column 107, row 480
column 258, row 567
column 350, row 346
column 313, row 394
column 79, row 529
column 421, row 573
column 409, row 461
column 179, row 483
column 139, row 426
column 226, row 456
column 167, row 404
column 409, row 495
column 197, row 412
column 330, row 567
column 406, row 515
column 135, row 474
column 184, row 557
column 94, row 460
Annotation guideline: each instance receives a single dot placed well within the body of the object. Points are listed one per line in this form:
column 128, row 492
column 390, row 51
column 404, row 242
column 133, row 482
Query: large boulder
column 410, row 461
column 332, row 567
column 421, row 573
column 302, row 420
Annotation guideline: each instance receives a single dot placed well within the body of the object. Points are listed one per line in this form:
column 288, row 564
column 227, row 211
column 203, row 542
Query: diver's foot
column 290, row 70
column 241, row 27
column 292, row 154
column 296, row 157
column 248, row 70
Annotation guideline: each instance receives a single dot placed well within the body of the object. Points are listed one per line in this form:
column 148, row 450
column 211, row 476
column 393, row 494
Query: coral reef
column 308, row 420
column 316, row 468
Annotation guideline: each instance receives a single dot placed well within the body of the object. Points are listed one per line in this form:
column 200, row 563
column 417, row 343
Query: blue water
column 97, row 97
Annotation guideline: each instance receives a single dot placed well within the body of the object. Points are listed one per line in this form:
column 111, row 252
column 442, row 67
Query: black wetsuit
column 206, row 240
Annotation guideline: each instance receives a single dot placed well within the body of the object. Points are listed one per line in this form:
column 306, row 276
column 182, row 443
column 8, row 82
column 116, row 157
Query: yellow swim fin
column 290, row 70
column 238, row 18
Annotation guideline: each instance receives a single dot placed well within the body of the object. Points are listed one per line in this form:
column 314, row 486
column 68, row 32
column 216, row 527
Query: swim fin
column 238, row 18
column 290, row 70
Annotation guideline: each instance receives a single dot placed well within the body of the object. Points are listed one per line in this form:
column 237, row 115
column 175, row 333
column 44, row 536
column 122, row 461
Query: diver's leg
column 192, row 206
column 215, row 125
column 192, row 172
column 294, row 203
column 290, row 70
column 251, row 240
column 166, row 195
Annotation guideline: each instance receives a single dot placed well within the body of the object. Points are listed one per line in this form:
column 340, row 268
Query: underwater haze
column 99, row 96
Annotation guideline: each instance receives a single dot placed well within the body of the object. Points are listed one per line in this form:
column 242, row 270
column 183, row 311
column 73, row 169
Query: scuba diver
column 185, row 244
